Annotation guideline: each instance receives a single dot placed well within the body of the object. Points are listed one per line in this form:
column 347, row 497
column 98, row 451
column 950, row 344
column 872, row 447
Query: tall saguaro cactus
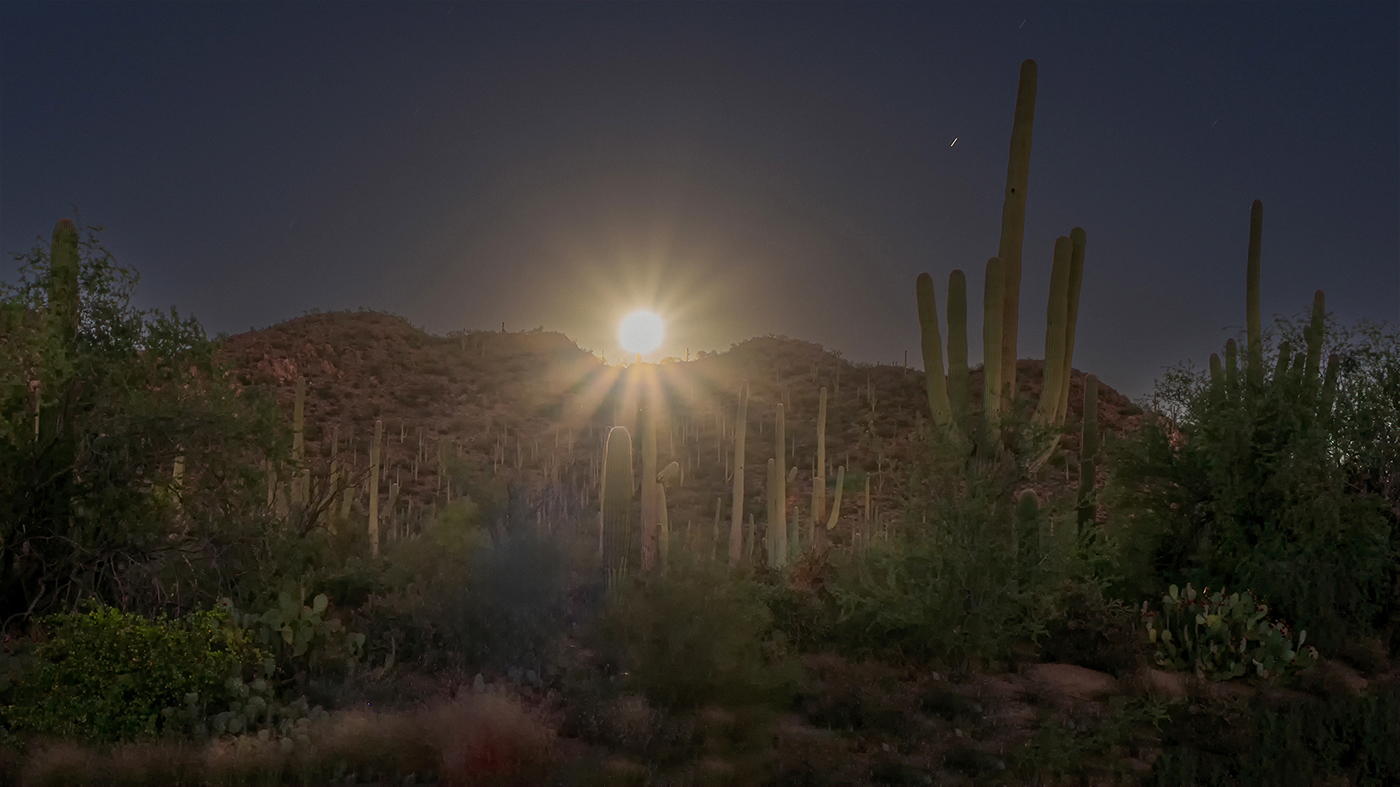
column 1255, row 370
column 1076, row 281
column 931, row 342
column 650, row 515
column 1056, row 332
column 374, row 449
column 736, row 521
column 780, row 454
column 64, row 307
column 615, row 516
column 957, row 346
column 1013, row 218
column 992, row 327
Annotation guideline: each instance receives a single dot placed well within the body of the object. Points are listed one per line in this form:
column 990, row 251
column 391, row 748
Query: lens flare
column 641, row 332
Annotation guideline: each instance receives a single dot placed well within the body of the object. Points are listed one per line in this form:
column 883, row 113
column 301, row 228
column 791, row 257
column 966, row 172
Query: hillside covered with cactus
column 505, row 402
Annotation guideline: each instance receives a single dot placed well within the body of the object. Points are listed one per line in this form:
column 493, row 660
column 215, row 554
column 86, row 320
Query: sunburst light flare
column 641, row 332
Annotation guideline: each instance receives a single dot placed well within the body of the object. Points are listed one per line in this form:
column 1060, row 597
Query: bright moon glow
column 641, row 332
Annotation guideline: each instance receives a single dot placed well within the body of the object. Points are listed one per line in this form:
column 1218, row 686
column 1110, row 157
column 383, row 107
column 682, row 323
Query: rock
column 1071, row 681
column 1165, row 684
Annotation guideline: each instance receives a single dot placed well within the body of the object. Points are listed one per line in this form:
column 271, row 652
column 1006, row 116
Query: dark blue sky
column 747, row 169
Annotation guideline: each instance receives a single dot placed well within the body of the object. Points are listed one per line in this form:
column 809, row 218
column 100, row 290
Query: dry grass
column 475, row 740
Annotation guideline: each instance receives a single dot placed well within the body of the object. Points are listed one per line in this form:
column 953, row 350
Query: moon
column 641, row 332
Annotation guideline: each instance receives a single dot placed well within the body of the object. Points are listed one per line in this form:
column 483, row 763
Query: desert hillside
column 533, row 408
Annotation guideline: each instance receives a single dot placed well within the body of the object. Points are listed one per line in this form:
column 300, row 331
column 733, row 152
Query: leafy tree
column 96, row 415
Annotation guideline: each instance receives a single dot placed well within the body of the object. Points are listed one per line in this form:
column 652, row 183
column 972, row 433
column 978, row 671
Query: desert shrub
column 1339, row 739
column 1272, row 487
column 459, row 593
column 941, row 585
column 105, row 675
column 1222, row 637
column 91, row 499
column 695, row 635
column 1093, row 631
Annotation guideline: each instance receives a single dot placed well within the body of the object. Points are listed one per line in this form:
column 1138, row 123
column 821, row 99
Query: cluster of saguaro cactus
column 948, row 396
column 1305, row 364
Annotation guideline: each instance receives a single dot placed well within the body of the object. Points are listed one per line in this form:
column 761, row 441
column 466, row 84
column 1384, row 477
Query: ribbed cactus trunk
column 836, row 499
column 957, row 346
column 650, row 516
column 931, row 342
column 1056, row 317
column 770, row 531
column 615, row 515
column 1076, row 281
column 991, row 343
column 1253, row 321
column 374, row 449
column 1013, row 220
column 736, row 520
column 780, row 454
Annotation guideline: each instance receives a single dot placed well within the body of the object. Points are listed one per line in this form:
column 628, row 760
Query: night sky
column 744, row 169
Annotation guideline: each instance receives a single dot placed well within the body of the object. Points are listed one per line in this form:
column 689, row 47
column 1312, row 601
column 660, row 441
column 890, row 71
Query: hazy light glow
column 641, row 332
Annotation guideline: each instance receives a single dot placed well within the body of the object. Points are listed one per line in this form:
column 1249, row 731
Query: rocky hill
column 531, row 410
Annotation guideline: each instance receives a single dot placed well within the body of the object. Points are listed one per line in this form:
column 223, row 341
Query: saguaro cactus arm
column 1013, row 217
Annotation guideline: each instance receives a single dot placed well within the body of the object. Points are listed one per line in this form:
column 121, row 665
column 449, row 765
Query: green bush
column 965, row 576
column 1271, row 487
column 694, row 636
column 105, row 675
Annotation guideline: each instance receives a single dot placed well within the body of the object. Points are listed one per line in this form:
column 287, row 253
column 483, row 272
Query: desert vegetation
column 341, row 550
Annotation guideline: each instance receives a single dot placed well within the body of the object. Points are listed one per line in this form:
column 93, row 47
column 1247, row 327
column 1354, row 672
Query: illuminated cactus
column 736, row 522
column 650, row 519
column 1076, row 282
column 770, row 531
column 780, row 443
column 991, row 342
column 931, row 341
column 1056, row 317
column 615, row 516
column 1013, row 224
column 957, row 346
column 836, row 501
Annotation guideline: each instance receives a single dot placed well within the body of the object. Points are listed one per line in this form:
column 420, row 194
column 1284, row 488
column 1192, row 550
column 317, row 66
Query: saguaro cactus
column 1056, row 332
column 1076, row 281
column 1255, row 369
column 957, row 346
column 780, row 444
column 770, row 533
column 1314, row 334
column 931, row 342
column 991, row 342
column 615, row 516
column 374, row 488
column 64, row 307
column 1013, row 218
column 650, row 517
column 836, row 501
column 736, row 521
